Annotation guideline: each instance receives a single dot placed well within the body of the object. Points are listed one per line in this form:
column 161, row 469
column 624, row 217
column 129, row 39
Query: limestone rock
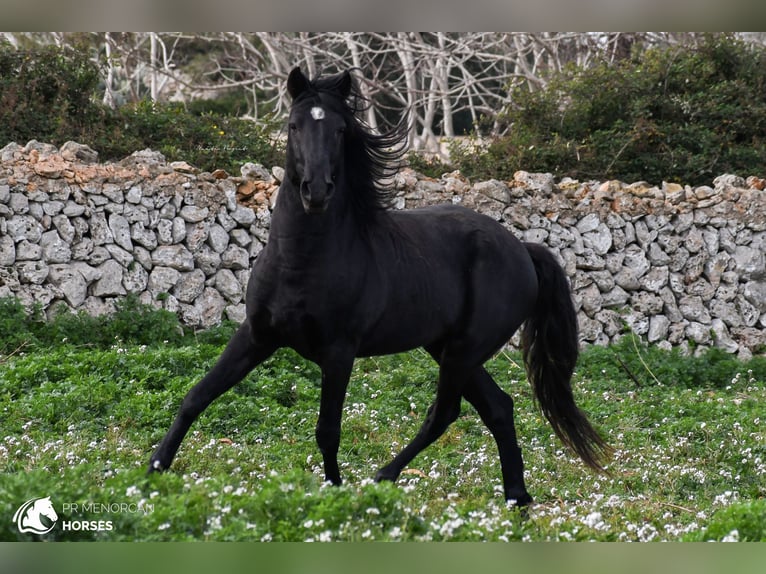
column 71, row 283
column 173, row 256
column 494, row 189
column 598, row 239
column 228, row 285
column 218, row 239
column 24, row 227
column 135, row 279
column 189, row 286
column 143, row 236
column 755, row 293
column 34, row 272
column 99, row 229
column 54, row 249
column 210, row 306
column 194, row 214
column 196, row 235
column 77, row 152
column 255, row 171
column 658, row 328
column 162, row 280
column 110, row 283
column 7, row 251
column 693, row 309
column 120, row 229
column 750, row 262
column 235, row 258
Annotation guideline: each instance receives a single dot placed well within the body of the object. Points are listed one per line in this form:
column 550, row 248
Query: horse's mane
column 371, row 158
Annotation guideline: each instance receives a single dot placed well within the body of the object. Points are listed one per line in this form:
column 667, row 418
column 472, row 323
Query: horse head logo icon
column 28, row 517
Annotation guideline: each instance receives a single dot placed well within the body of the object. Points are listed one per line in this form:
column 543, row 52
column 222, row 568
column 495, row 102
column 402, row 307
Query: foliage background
column 665, row 114
column 600, row 106
column 48, row 94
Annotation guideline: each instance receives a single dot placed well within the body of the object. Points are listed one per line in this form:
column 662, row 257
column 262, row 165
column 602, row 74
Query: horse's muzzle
column 315, row 195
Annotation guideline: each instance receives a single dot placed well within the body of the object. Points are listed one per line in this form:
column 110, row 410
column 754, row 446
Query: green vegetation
column 678, row 114
column 80, row 421
column 132, row 323
column 49, row 94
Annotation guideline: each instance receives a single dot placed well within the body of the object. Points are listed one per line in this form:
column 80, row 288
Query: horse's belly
column 397, row 332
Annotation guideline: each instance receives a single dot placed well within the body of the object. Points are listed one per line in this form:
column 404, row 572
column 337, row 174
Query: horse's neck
column 32, row 516
column 307, row 234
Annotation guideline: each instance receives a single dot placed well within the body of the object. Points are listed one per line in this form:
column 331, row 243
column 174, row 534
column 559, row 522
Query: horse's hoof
column 387, row 475
column 520, row 501
column 334, row 481
column 155, row 466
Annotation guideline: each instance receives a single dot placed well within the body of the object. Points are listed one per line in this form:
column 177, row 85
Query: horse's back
column 457, row 230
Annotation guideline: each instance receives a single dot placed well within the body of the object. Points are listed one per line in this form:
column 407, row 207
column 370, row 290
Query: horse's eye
column 293, row 127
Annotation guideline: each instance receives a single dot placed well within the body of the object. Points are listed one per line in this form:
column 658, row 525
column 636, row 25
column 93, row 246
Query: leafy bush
column 741, row 522
column 207, row 141
column 645, row 365
column 48, row 94
column 16, row 325
column 677, row 114
column 132, row 323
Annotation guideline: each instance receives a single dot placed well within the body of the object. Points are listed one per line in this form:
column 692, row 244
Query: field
column 79, row 423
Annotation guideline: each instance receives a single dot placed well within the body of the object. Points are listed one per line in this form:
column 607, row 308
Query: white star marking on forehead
column 317, row 113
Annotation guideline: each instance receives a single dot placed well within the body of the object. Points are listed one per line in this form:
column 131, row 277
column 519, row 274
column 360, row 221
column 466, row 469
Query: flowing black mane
column 372, row 158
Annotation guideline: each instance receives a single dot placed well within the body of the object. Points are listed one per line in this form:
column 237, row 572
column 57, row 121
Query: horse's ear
column 297, row 83
column 344, row 85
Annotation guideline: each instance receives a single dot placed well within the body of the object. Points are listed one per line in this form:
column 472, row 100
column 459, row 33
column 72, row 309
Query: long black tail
column 550, row 347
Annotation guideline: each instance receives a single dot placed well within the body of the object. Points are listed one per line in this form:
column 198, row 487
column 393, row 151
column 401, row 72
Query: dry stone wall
column 677, row 265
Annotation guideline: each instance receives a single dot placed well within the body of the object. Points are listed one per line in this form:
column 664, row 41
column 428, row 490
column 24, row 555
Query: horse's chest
column 301, row 330
column 306, row 307
column 297, row 317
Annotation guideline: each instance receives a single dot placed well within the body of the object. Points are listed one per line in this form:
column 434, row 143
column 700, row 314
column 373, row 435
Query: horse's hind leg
column 441, row 414
column 241, row 355
column 495, row 408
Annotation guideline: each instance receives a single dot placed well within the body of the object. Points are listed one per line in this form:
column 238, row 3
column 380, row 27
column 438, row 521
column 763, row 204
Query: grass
column 78, row 424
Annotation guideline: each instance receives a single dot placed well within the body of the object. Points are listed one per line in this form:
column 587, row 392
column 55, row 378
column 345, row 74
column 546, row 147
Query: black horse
column 342, row 277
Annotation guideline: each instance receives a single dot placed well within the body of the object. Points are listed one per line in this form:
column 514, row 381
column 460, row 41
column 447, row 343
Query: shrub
column 207, row 141
column 131, row 323
column 740, row 522
column 50, row 94
column 677, row 114
column 46, row 94
column 16, row 325
column 644, row 364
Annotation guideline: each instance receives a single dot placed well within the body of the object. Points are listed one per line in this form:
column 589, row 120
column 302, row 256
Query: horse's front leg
column 335, row 375
column 242, row 354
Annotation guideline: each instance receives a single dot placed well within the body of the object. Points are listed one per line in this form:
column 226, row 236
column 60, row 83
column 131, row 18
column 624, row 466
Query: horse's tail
column 549, row 342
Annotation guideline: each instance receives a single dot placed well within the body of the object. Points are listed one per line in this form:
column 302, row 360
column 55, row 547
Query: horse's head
column 316, row 138
column 45, row 507
column 27, row 517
